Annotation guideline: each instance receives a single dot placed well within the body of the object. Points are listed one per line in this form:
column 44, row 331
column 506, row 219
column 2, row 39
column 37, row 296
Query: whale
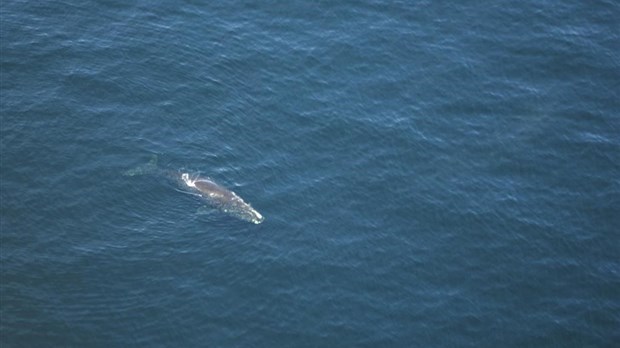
column 206, row 188
column 221, row 198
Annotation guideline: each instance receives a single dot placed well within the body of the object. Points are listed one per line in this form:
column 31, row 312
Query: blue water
column 432, row 174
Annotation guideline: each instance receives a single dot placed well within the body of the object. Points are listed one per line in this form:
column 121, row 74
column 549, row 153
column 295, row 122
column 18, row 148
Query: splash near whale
column 214, row 194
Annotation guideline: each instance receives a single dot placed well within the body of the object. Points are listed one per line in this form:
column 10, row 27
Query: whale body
column 214, row 194
column 222, row 198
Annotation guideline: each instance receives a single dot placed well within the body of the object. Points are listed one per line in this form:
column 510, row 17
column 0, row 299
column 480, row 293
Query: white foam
column 189, row 182
column 258, row 217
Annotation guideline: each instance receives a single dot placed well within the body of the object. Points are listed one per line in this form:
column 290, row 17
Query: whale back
column 213, row 190
column 223, row 198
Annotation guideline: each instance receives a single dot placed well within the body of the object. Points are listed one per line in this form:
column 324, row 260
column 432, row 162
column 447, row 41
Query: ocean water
column 432, row 174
